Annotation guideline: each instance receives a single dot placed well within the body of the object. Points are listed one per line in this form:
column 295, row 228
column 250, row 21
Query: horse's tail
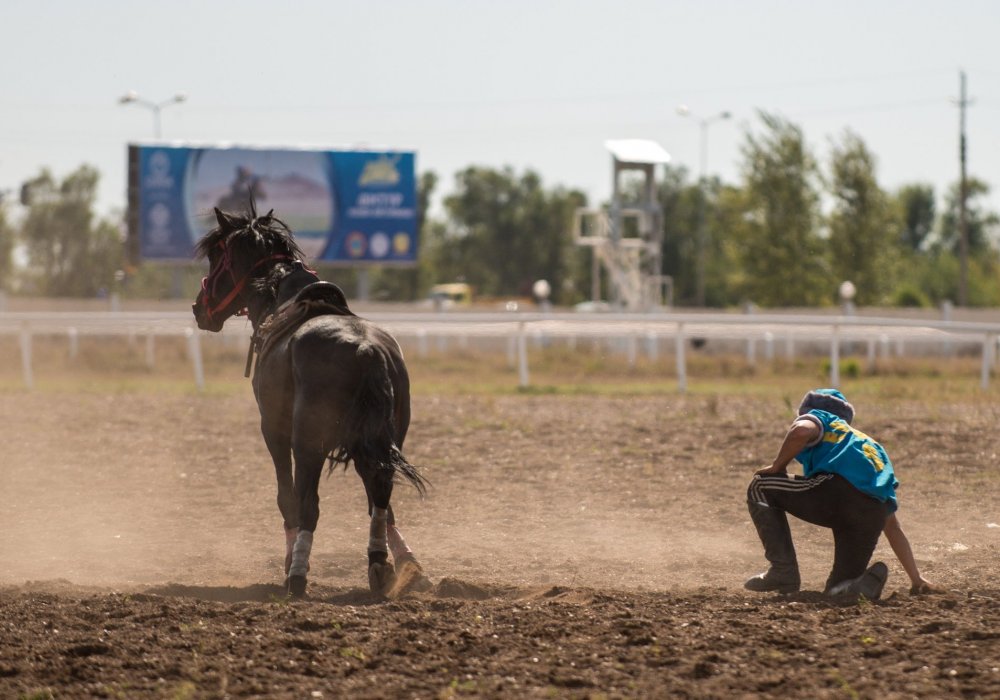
column 372, row 427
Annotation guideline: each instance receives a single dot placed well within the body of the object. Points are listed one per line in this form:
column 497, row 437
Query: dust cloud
column 132, row 490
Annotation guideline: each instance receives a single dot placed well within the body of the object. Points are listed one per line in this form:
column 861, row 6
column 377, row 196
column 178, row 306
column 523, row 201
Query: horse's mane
column 247, row 234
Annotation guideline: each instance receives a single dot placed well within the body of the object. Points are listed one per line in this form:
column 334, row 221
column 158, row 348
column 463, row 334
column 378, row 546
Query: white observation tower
column 628, row 240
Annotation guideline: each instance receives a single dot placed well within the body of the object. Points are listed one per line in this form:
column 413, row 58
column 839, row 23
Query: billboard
column 343, row 206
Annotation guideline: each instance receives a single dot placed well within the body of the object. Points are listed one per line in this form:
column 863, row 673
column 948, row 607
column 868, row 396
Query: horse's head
column 241, row 249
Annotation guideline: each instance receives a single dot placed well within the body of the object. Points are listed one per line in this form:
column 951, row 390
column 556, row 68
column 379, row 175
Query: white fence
column 770, row 334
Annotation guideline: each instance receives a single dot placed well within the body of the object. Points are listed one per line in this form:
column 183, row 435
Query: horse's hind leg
column 378, row 487
column 409, row 574
column 397, row 545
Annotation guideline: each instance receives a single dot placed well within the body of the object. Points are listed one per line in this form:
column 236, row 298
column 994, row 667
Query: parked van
column 445, row 296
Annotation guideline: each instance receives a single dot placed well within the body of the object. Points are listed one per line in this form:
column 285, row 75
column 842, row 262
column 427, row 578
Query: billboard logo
column 356, row 244
column 159, row 171
column 159, row 224
column 379, row 245
column 401, row 243
column 381, row 171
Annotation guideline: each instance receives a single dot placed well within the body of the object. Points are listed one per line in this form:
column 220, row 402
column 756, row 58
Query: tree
column 679, row 200
column 917, row 213
column 505, row 231
column 6, row 251
column 68, row 253
column 862, row 239
column 777, row 243
column 936, row 274
column 981, row 223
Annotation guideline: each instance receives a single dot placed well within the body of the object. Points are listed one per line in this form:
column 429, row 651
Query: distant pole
column 157, row 131
column 700, row 233
column 132, row 97
column 963, row 191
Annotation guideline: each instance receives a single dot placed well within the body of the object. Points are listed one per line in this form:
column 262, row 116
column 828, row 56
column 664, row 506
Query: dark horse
column 329, row 385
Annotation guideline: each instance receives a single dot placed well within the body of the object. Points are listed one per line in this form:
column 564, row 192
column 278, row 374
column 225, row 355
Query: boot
column 775, row 535
column 868, row 584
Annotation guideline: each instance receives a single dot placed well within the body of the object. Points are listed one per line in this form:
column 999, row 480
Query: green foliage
column 862, row 240
column 984, row 279
column 779, row 251
column 505, row 231
column 907, row 295
column 69, row 254
column 764, row 240
column 7, row 234
column 936, row 275
column 848, row 367
column 679, row 200
column 916, row 212
column 352, row 653
column 982, row 225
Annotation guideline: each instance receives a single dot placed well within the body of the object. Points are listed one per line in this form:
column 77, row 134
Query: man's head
column 829, row 400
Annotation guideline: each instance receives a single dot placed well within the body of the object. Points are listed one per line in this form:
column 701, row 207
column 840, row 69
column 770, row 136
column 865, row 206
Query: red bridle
column 226, row 266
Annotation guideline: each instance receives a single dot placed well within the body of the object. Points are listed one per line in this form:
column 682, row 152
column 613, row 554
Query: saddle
column 316, row 299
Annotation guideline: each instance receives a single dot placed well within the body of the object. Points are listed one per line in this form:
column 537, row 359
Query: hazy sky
column 538, row 84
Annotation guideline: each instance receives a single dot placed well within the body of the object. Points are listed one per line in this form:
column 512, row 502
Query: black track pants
column 830, row 501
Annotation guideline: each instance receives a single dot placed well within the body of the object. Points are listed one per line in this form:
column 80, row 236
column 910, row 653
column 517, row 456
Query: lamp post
column 132, row 97
column 847, row 292
column 703, row 124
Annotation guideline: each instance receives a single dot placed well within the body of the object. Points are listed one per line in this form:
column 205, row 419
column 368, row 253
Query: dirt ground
column 578, row 546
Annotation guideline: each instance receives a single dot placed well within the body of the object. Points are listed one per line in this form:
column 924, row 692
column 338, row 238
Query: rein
column 238, row 286
column 262, row 328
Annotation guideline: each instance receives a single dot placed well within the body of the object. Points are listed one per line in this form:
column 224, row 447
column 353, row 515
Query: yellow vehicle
column 451, row 294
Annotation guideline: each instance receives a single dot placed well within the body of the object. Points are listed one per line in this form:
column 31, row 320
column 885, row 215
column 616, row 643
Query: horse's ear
column 223, row 220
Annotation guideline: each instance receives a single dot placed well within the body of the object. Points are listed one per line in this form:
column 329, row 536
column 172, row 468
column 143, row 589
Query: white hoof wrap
column 300, row 554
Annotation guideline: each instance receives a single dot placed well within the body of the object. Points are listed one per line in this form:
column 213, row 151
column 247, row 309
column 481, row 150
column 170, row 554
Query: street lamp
column 132, row 97
column 847, row 291
column 703, row 123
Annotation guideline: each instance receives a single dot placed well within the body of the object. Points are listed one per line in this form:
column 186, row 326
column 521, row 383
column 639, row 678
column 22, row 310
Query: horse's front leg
column 308, row 469
column 280, row 447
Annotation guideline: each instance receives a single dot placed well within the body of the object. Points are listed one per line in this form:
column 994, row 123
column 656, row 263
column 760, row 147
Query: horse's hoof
column 296, row 586
column 381, row 578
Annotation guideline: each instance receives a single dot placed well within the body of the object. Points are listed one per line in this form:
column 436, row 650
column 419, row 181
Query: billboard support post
column 364, row 284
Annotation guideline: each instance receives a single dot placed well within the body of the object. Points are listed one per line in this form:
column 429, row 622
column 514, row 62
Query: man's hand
column 923, row 587
column 770, row 471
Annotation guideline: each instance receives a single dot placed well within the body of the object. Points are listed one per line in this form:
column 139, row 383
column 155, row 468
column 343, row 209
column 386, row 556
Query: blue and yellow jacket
column 848, row 452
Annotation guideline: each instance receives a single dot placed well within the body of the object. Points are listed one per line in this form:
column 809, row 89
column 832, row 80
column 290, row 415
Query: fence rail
column 633, row 333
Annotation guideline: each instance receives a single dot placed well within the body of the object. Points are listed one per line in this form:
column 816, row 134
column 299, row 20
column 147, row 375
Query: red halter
column 226, row 266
